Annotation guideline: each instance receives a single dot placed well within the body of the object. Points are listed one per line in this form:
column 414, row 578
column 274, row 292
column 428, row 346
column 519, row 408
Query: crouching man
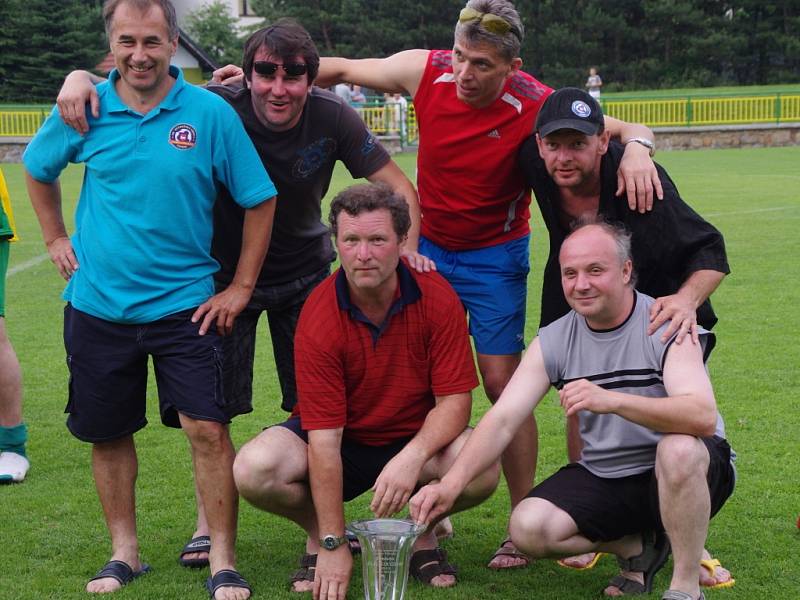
column 384, row 377
column 655, row 464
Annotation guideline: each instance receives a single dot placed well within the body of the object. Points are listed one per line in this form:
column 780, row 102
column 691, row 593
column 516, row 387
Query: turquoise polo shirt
column 143, row 224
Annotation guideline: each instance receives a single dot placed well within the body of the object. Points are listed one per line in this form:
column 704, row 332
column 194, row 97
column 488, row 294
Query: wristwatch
column 332, row 542
column 651, row 147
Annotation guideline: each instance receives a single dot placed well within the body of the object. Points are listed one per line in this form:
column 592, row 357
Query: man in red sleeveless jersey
column 475, row 107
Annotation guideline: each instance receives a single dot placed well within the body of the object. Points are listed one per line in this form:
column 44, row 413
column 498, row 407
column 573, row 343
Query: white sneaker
column 13, row 467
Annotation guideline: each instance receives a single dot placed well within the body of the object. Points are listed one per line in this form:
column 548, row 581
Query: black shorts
column 361, row 464
column 282, row 304
column 607, row 509
column 108, row 373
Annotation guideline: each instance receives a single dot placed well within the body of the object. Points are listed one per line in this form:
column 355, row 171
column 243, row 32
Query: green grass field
column 51, row 526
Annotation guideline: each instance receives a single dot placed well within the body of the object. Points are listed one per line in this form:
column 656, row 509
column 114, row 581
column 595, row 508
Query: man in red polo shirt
column 384, row 378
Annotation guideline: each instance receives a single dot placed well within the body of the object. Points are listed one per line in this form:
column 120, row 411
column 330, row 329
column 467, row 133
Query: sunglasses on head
column 266, row 68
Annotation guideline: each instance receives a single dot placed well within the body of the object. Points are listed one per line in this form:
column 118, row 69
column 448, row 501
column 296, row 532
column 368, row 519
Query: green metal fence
column 712, row 110
column 21, row 123
column 683, row 111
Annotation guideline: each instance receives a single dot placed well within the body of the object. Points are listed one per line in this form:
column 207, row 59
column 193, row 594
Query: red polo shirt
column 379, row 383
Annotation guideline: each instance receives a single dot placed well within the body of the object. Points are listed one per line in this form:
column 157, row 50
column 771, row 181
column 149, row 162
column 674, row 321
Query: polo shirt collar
column 170, row 102
column 409, row 293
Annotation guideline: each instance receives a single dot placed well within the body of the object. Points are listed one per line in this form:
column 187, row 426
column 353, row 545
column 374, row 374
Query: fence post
column 689, row 114
column 777, row 108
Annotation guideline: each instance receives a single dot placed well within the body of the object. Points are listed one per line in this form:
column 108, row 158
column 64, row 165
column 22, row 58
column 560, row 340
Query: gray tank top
column 625, row 360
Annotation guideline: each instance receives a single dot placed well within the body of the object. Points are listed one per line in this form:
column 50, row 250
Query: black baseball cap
column 570, row 108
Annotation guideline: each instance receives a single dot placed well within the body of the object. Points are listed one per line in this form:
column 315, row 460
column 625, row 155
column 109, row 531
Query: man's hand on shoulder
column 332, row 575
column 419, row 262
column 396, row 483
column 681, row 313
column 638, row 177
column 228, row 75
column 224, row 307
column 78, row 90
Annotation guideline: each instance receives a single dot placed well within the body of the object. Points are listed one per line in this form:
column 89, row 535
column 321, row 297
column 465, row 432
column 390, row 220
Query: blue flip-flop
column 226, row 578
column 121, row 571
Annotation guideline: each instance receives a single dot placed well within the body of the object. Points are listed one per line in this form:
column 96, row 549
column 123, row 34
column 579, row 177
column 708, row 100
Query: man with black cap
column 571, row 164
column 680, row 258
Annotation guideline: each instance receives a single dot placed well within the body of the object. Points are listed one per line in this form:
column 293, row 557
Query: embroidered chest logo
column 312, row 157
column 183, row 136
column 494, row 134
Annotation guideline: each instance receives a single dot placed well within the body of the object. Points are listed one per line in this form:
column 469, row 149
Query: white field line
column 31, row 262
column 750, row 212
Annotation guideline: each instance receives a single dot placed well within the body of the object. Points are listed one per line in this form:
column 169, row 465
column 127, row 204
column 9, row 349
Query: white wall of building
column 237, row 9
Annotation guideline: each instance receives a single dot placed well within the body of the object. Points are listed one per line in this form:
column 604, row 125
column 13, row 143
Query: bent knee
column 532, row 526
column 680, row 456
column 265, row 463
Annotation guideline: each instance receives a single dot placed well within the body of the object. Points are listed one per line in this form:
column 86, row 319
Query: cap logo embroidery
column 581, row 109
column 183, row 136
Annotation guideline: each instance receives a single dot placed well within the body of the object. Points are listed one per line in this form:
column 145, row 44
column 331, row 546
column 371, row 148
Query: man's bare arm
column 393, row 176
column 46, row 200
column 443, row 424
column 76, row 92
column 492, row 435
column 637, row 173
column 680, row 308
column 689, row 407
column 399, row 72
column 226, row 306
column 325, row 478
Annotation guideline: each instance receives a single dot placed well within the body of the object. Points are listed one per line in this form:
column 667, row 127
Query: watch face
column 330, row 542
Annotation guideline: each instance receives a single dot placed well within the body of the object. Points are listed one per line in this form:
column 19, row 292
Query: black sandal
column 655, row 551
column 427, row 564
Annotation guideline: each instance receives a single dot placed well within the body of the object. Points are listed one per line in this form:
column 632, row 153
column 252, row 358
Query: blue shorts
column 492, row 283
column 108, row 373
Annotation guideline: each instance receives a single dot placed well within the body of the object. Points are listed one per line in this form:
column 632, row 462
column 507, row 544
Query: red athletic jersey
column 471, row 192
column 380, row 383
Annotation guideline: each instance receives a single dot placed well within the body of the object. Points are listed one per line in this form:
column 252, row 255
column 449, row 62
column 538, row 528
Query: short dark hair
column 617, row 231
column 473, row 33
column 110, row 6
column 367, row 197
column 285, row 38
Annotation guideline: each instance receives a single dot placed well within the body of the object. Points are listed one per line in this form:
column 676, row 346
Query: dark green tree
column 214, row 29
column 48, row 40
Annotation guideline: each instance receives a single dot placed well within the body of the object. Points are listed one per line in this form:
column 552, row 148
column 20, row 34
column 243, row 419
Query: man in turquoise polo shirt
column 140, row 274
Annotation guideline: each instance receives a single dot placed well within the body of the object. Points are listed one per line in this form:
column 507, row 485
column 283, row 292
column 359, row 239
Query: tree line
column 634, row 44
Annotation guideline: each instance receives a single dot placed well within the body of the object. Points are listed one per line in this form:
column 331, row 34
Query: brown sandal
column 507, row 548
column 308, row 566
column 427, row 564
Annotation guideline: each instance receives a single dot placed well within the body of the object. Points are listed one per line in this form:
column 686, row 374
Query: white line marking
column 31, row 262
column 750, row 212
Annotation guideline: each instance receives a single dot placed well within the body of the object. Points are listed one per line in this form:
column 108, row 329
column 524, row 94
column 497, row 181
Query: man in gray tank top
column 655, row 462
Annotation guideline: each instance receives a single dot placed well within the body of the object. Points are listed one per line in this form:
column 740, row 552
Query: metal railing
column 386, row 119
column 687, row 111
column 21, row 123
